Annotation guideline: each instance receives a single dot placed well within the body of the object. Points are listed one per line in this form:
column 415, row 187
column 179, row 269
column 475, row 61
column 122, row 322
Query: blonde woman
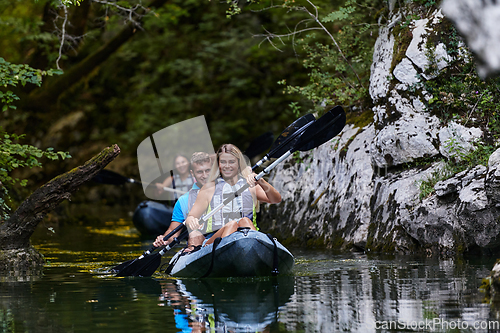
column 229, row 173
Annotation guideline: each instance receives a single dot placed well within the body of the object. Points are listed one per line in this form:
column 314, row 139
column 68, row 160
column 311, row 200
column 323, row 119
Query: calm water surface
column 326, row 293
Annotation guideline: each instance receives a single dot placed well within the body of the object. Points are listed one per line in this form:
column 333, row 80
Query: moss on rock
column 21, row 260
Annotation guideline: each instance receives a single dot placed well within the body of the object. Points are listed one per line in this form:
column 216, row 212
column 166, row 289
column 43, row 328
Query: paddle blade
column 288, row 137
column 139, row 266
column 323, row 130
column 110, row 177
column 122, row 266
column 143, row 267
column 259, row 145
column 150, row 267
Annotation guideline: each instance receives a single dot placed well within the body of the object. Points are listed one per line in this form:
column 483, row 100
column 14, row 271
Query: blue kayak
column 152, row 218
column 246, row 253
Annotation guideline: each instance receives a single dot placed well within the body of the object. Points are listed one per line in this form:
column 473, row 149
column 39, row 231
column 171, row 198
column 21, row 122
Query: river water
column 327, row 292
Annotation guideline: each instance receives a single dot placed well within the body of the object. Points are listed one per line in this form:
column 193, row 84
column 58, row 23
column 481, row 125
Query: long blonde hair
column 243, row 168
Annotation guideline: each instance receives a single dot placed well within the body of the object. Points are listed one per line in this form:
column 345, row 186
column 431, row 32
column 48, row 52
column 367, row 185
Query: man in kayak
column 229, row 173
column 200, row 169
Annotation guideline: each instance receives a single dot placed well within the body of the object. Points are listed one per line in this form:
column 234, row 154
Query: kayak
column 246, row 253
column 152, row 218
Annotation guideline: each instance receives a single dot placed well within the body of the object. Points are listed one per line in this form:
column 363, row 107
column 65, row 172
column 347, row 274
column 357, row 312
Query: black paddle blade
column 259, row 145
column 109, row 177
column 150, row 267
column 289, row 135
column 122, row 266
column 142, row 267
column 323, row 130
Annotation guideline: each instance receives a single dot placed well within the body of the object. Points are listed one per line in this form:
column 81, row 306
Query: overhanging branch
column 44, row 97
column 16, row 231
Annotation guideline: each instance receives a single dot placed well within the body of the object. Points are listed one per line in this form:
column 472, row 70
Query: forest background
column 76, row 77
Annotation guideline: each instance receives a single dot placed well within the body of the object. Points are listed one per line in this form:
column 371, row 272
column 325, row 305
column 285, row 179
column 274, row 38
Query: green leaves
column 15, row 74
column 14, row 155
column 342, row 14
column 337, row 58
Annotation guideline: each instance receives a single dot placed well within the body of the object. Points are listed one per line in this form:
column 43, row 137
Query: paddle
column 282, row 143
column 259, row 145
column 320, row 131
column 123, row 267
column 113, row 178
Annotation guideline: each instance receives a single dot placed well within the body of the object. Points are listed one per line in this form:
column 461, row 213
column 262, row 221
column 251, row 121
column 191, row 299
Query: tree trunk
column 15, row 233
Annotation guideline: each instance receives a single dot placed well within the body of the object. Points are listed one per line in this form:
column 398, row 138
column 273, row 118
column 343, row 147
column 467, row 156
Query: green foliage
column 426, row 186
column 338, row 58
column 343, row 13
column 13, row 155
column 15, row 74
column 460, row 160
column 427, row 3
column 458, row 93
column 193, row 61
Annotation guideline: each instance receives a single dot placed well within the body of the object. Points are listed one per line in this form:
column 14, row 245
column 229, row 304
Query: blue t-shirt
column 181, row 208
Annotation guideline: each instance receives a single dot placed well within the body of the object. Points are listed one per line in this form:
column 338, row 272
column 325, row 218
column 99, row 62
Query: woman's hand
column 251, row 179
column 265, row 192
column 192, row 223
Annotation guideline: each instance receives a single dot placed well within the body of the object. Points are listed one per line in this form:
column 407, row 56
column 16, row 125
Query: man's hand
column 159, row 241
column 192, row 223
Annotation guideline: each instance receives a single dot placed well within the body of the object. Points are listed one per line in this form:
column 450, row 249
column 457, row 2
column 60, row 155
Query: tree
column 13, row 155
column 186, row 59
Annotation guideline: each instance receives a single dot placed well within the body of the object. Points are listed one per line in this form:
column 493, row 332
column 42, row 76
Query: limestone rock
column 362, row 189
column 478, row 22
column 492, row 182
column 405, row 72
column 418, row 50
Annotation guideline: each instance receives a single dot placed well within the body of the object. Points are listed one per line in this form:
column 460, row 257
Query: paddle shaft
column 173, row 243
column 167, row 189
column 314, row 136
column 305, row 138
column 173, row 232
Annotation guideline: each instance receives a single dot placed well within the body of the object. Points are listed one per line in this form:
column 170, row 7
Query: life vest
column 182, row 185
column 239, row 207
column 193, row 194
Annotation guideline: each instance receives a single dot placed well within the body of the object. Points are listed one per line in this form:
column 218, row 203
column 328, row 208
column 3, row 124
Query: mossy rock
column 21, row 260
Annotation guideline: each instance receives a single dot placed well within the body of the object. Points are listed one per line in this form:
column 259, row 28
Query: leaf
column 342, row 14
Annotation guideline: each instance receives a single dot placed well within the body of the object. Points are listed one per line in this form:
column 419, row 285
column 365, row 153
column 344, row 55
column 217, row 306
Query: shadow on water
column 327, row 292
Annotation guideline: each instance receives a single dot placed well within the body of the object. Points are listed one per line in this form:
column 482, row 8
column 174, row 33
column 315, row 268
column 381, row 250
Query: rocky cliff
column 363, row 190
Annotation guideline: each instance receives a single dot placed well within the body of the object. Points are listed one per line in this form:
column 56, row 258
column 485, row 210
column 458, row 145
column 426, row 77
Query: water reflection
column 327, row 293
column 227, row 305
column 363, row 294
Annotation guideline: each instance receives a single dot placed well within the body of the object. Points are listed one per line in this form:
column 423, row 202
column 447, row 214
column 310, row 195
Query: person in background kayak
column 182, row 179
column 229, row 173
column 200, row 169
